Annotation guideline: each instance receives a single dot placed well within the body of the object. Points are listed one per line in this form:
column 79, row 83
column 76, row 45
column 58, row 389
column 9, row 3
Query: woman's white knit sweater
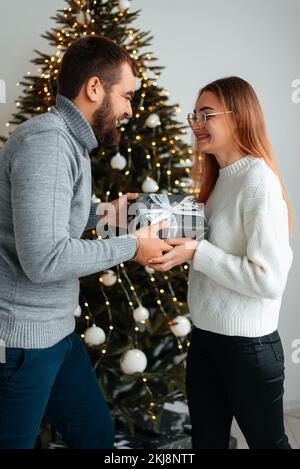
column 239, row 272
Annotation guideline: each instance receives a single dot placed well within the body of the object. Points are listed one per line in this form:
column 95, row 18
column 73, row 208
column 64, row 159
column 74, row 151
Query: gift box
column 174, row 433
column 185, row 216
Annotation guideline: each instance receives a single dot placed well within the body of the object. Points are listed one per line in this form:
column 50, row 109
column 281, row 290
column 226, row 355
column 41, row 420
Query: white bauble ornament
column 133, row 361
column 153, row 121
column 149, row 185
column 124, row 4
column 181, row 326
column 94, row 335
column 77, row 312
column 109, row 278
column 83, row 17
column 118, row 162
column 149, row 270
column 138, row 84
column 140, row 314
column 164, row 93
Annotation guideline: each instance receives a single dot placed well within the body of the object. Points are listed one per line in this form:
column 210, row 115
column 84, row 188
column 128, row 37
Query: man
column 45, row 200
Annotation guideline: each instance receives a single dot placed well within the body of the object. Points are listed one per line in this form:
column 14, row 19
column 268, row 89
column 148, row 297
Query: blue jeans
column 236, row 377
column 57, row 382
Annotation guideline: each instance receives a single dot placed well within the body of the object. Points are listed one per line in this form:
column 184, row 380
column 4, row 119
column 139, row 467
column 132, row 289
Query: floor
column 292, row 428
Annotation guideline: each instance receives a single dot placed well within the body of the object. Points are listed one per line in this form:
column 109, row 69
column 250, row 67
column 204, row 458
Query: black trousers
column 236, row 377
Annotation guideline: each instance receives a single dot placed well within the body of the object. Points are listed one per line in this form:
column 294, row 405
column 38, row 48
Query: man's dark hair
column 91, row 56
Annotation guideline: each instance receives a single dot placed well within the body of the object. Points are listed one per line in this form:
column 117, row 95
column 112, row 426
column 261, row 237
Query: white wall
column 198, row 41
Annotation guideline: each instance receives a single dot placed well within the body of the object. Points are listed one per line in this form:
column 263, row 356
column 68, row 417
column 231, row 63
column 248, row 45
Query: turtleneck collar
column 76, row 122
column 237, row 167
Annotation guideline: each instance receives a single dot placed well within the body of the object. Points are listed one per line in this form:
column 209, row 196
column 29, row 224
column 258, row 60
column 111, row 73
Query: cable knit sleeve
column 263, row 271
column 94, row 217
column 41, row 193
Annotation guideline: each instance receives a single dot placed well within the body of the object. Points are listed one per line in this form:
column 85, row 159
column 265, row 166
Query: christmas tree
column 134, row 320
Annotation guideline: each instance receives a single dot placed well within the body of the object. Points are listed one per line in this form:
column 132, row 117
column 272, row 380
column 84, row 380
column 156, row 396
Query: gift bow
column 187, row 206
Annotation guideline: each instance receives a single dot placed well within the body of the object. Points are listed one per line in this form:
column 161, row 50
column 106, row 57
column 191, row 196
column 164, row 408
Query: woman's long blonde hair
column 249, row 131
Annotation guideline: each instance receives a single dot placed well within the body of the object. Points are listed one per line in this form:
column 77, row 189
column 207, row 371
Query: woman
column 235, row 364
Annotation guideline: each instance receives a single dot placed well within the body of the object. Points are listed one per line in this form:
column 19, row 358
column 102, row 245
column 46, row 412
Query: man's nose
column 129, row 110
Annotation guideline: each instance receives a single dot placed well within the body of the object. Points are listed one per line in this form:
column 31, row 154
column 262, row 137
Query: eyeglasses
column 201, row 117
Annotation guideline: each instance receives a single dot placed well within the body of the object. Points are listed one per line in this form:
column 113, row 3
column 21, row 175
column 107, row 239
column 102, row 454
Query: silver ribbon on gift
column 166, row 211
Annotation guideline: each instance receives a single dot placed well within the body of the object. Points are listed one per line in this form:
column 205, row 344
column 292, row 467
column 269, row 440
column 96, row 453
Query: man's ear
column 94, row 89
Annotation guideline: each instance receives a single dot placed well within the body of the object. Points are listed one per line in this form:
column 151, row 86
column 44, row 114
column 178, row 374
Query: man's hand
column 117, row 210
column 183, row 251
column 152, row 246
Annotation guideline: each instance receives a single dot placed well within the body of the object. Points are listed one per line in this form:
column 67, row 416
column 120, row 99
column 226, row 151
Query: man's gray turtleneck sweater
column 45, row 205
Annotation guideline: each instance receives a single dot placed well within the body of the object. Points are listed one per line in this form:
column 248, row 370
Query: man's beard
column 104, row 124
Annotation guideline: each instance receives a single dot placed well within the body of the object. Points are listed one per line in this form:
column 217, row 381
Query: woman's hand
column 184, row 250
